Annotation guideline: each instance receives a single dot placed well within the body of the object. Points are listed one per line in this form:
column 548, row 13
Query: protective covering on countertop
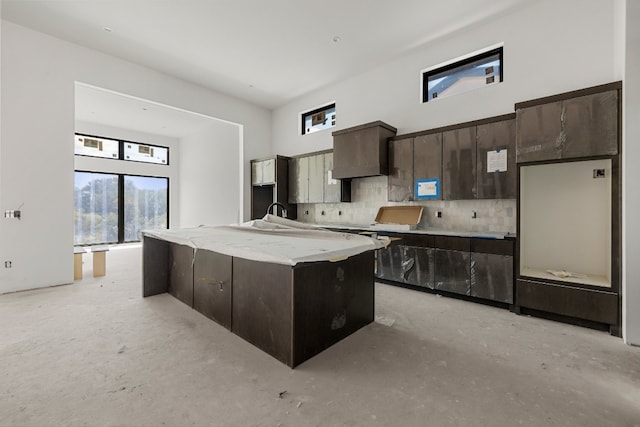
column 271, row 239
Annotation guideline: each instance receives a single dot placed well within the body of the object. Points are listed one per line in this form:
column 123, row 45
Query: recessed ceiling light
column 107, row 29
column 336, row 39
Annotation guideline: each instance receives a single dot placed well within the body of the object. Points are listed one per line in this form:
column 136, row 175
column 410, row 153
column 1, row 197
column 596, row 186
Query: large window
column 113, row 208
column 462, row 75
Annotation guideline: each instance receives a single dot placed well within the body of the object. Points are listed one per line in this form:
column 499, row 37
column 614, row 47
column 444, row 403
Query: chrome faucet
column 284, row 210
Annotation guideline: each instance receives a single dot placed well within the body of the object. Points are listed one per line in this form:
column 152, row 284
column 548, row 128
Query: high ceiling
column 266, row 52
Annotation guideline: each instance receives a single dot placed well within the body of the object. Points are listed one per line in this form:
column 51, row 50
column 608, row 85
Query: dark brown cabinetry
column 401, row 180
column 457, row 157
column 290, row 312
column 477, row 267
column 180, row 273
column 361, row 151
column 492, row 269
column 410, row 262
column 459, row 164
column 427, row 158
column 493, row 138
column 212, row 274
column 452, row 261
column 568, row 150
column 269, row 184
column 582, row 125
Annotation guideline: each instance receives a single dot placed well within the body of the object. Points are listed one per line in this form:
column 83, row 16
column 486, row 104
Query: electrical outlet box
column 7, row 264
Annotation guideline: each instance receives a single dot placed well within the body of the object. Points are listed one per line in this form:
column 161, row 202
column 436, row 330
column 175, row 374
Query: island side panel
column 261, row 306
column 155, row 266
column 181, row 272
column 332, row 300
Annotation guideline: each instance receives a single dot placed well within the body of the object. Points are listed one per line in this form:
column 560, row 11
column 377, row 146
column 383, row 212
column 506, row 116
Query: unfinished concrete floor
column 96, row 353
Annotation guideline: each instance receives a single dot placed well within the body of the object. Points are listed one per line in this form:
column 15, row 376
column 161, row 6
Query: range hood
column 362, row 151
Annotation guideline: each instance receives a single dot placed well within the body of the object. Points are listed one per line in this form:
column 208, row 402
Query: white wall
column 631, row 176
column 209, row 171
column 36, row 158
column 549, row 47
column 171, row 171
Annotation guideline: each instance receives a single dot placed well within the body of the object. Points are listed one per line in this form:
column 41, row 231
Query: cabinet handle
column 220, row 283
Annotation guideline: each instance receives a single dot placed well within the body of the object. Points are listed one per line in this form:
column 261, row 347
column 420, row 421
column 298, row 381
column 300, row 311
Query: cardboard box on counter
column 398, row 218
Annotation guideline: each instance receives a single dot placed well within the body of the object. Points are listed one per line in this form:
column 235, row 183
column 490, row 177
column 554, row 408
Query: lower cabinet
column 476, row 267
column 492, row 277
column 406, row 264
column 212, row 286
column 452, row 271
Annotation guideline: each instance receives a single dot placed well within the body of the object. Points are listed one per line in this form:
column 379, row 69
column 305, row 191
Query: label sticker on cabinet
column 497, row 161
column 428, row 188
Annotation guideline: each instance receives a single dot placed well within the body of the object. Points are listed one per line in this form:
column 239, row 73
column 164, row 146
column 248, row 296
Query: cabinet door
column 540, row 133
column 427, row 158
column 491, row 137
column 268, row 171
column 212, row 286
column 332, row 186
column 389, row 263
column 256, row 173
column 401, row 170
column 421, row 272
column 299, row 180
column 492, row 277
column 452, row 271
column 459, row 164
column 316, row 181
column 452, row 265
column 591, row 125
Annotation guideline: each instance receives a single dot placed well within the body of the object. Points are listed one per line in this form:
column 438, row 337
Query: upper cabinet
column 568, row 126
column 401, row 170
column 311, row 180
column 263, row 172
column 361, row 151
column 496, row 174
column 427, row 160
column 474, row 160
column 459, row 163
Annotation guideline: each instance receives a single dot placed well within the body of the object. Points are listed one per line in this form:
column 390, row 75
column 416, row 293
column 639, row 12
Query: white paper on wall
column 497, row 161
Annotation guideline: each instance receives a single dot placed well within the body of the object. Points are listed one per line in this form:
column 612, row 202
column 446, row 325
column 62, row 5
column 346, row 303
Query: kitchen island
column 289, row 289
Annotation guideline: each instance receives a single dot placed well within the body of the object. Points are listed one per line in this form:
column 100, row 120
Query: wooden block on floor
column 99, row 260
column 77, row 262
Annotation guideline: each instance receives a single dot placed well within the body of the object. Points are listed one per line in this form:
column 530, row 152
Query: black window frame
column 466, row 61
column 121, row 143
column 303, row 116
column 121, row 177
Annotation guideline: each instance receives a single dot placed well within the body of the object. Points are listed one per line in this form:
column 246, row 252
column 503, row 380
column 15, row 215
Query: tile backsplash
column 368, row 194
